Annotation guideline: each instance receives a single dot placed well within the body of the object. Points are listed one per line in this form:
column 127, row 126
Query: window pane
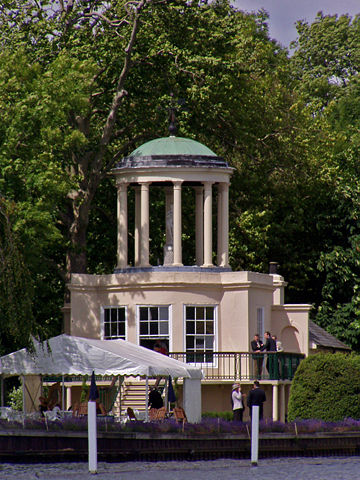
column 190, row 358
column 200, row 311
column 200, row 327
column 189, row 342
column 190, row 313
column 107, row 330
column 199, row 343
column 209, row 357
column 209, row 341
column 199, row 358
column 164, row 313
column 209, row 327
column 154, row 328
column 113, row 329
column 164, row 329
column 154, row 313
column 143, row 313
column 209, row 313
column 114, row 315
column 106, row 315
column 121, row 314
column 144, row 328
column 190, row 327
column 122, row 329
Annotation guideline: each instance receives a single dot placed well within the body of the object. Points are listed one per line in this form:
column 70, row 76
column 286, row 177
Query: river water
column 315, row 468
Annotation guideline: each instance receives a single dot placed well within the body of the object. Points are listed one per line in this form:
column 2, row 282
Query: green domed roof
column 172, row 146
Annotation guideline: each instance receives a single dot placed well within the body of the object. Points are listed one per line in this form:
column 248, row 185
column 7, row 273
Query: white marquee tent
column 69, row 355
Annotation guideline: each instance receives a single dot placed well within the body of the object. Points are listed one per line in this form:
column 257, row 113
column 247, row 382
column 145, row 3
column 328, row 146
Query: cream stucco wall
column 291, row 323
column 237, row 295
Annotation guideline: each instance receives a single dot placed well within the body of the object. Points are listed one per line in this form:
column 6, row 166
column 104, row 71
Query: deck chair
column 108, row 394
column 131, row 414
column 161, row 414
column 80, row 409
column 179, row 414
column 54, row 396
column 152, row 414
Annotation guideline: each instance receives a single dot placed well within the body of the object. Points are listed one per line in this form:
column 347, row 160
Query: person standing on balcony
column 237, row 400
column 279, row 347
column 256, row 346
column 256, row 398
column 271, row 362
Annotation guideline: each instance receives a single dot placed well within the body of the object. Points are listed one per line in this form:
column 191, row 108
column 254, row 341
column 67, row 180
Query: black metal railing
column 243, row 365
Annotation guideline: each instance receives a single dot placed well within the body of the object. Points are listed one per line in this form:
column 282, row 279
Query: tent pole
column 147, row 399
column 63, row 393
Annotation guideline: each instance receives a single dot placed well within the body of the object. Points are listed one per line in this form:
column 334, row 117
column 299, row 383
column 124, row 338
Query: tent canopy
column 69, row 355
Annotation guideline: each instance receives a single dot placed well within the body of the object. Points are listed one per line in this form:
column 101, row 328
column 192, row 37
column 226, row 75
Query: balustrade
column 243, row 365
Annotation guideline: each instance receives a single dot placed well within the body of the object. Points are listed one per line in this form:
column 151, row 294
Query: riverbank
column 44, row 446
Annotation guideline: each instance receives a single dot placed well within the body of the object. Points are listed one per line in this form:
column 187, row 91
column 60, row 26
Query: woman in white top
column 238, row 402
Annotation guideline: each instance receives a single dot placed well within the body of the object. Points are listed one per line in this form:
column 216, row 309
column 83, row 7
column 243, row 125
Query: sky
column 285, row 13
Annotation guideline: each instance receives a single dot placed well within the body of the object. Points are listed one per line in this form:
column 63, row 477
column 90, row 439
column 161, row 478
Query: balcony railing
column 243, row 365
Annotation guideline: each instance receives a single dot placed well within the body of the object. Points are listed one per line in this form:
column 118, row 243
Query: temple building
column 203, row 313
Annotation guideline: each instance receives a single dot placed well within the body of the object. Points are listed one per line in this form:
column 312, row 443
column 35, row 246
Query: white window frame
column 102, row 320
column 215, row 344
column 169, row 335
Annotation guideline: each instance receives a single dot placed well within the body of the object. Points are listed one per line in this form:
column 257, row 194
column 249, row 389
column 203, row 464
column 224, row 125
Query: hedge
column 326, row 387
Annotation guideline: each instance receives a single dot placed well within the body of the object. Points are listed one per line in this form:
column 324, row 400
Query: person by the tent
column 155, row 399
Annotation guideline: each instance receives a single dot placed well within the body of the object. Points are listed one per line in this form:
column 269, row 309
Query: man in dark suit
column 271, row 362
column 256, row 397
column 256, row 346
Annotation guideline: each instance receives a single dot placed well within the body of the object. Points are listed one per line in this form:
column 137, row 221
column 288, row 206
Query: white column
column 207, row 224
column 177, row 225
column 169, row 215
column 275, row 403
column 122, row 215
column 68, row 401
column 145, row 227
column 282, row 403
column 223, row 209
column 199, row 224
column 137, row 232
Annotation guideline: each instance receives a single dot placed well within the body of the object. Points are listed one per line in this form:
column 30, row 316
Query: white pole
column 92, row 437
column 255, row 435
column 63, row 405
column 147, row 399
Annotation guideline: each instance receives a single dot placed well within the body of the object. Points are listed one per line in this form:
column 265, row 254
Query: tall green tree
column 16, row 287
column 83, row 83
column 327, row 62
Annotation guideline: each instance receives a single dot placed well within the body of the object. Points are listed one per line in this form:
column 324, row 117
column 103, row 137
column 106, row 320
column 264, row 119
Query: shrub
column 16, row 398
column 326, row 387
column 223, row 415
